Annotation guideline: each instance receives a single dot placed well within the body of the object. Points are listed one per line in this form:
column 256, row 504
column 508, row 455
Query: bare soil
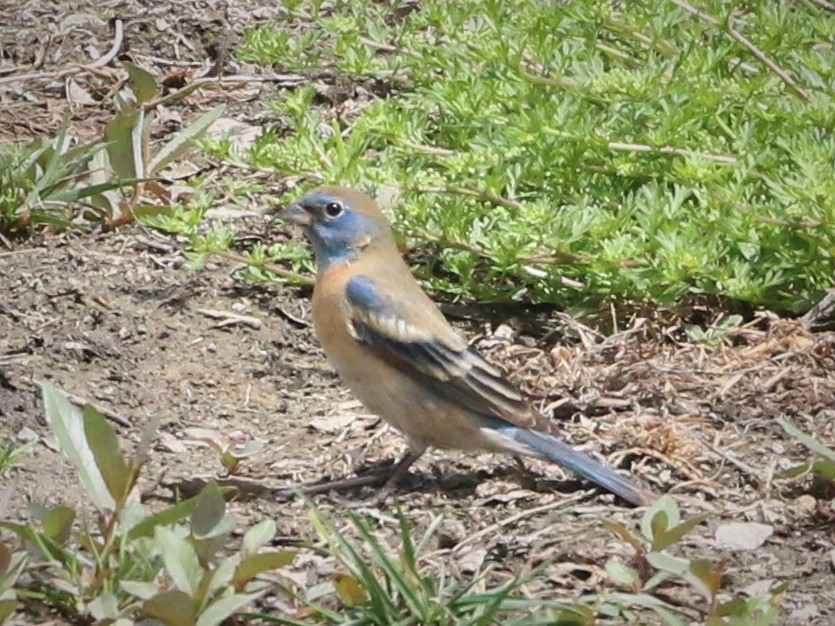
column 121, row 321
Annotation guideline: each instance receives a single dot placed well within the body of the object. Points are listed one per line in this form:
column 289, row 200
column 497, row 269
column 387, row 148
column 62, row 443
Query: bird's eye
column 333, row 209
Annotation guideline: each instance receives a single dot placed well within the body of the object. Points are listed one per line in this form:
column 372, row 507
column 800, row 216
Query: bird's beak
column 295, row 214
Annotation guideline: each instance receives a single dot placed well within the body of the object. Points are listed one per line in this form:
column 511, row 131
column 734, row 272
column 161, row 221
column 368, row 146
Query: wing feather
column 442, row 361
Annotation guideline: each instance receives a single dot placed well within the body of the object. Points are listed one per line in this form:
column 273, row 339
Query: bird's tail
column 551, row 448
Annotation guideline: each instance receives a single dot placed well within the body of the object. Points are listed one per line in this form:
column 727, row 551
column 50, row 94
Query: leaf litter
column 698, row 421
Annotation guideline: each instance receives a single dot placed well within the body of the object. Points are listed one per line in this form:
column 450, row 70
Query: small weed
column 11, row 454
column 228, row 453
column 126, row 564
column 381, row 585
column 715, row 333
column 823, row 464
column 661, row 528
column 110, row 180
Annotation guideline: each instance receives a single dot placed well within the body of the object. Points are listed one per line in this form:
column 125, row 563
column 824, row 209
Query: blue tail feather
column 551, row 448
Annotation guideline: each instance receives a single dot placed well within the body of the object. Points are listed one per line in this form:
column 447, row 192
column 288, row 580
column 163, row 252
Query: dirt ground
column 121, row 321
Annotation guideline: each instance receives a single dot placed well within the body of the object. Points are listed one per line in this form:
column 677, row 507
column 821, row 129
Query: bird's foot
column 393, row 474
column 376, row 500
column 375, row 476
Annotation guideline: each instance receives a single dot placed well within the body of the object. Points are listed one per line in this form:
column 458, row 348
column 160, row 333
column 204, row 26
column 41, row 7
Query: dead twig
column 826, row 6
column 513, row 519
column 118, row 37
column 271, row 267
column 822, row 315
column 103, row 60
column 284, row 79
column 705, row 17
column 230, row 318
column 113, row 417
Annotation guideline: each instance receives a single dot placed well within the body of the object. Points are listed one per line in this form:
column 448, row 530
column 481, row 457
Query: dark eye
column 333, row 209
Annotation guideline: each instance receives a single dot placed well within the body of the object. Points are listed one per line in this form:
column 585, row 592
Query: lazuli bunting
column 398, row 354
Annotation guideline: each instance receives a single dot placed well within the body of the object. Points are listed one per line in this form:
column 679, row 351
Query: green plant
column 11, row 454
column 129, row 150
column 661, row 528
column 229, row 454
column 109, row 178
column 382, row 585
column 12, row 564
column 823, row 464
column 577, row 152
column 715, row 333
column 125, row 563
column 40, row 184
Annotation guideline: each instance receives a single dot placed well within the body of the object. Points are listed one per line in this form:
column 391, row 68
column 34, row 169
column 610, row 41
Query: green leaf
column 43, row 217
column 737, row 606
column 21, row 530
column 258, row 536
column 622, row 574
column 768, row 617
column 807, row 440
column 172, row 608
column 660, row 516
column 171, row 515
column 5, row 558
column 625, row 534
column 659, row 524
column 8, row 580
column 144, row 84
column 208, row 513
column 105, row 445
column 794, row 472
column 79, row 193
column 51, row 550
column 139, row 588
column 179, row 511
column 124, row 136
column 57, row 524
column 669, row 537
column 178, row 144
column 350, row 590
column 668, row 615
column 222, row 575
column 180, row 560
column 708, row 575
column 105, row 606
column 224, row 608
column 256, row 564
column 825, row 469
column 655, row 580
column 7, row 607
column 67, row 423
column 667, row 563
column 151, row 210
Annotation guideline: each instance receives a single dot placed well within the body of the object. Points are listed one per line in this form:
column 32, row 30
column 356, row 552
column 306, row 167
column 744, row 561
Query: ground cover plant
column 561, row 151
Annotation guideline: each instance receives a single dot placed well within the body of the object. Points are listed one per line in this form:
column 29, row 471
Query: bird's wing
column 411, row 335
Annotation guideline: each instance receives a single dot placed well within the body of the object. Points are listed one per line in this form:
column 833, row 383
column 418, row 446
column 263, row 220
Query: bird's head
column 340, row 223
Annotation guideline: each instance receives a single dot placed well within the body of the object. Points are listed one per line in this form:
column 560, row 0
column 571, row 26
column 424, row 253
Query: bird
column 393, row 347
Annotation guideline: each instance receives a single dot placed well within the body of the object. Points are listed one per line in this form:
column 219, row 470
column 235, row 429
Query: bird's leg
column 340, row 484
column 374, row 477
column 520, row 465
column 397, row 473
